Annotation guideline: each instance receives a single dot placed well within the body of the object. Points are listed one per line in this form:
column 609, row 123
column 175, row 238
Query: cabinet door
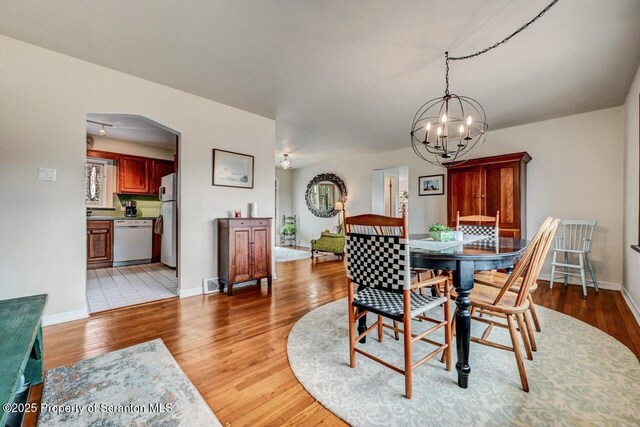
column 502, row 190
column 160, row 168
column 133, row 175
column 261, row 252
column 465, row 193
column 240, row 254
column 99, row 241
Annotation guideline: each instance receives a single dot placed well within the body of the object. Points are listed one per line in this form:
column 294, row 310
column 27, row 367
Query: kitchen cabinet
column 99, row 244
column 134, row 175
column 160, row 168
column 486, row 185
column 244, row 251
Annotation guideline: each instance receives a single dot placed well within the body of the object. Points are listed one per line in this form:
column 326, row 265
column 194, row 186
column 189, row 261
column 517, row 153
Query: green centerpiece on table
column 441, row 233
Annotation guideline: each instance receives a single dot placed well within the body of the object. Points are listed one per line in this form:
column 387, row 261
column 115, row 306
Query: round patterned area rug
column 579, row 376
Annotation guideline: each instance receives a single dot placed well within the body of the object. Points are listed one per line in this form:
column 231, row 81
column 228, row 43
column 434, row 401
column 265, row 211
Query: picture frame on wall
column 231, row 169
column 431, row 185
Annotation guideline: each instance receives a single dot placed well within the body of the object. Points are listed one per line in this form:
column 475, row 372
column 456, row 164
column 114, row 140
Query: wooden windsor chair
column 503, row 302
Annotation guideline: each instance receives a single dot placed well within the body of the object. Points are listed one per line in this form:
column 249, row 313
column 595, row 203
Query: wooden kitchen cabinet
column 486, row 185
column 134, row 175
column 244, row 251
column 159, row 168
column 137, row 175
column 99, row 244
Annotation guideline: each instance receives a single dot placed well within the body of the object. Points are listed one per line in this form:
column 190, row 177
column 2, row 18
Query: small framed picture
column 431, row 185
column 232, row 169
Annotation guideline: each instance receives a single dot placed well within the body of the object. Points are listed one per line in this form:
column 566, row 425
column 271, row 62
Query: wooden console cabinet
column 244, row 251
column 99, row 244
column 486, row 185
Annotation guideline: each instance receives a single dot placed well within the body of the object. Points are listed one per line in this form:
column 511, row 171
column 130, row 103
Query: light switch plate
column 46, row 174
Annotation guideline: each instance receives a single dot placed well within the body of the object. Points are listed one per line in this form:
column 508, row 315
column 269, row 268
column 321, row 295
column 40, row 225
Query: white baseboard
column 67, row 316
column 576, row 281
column 632, row 305
column 190, row 292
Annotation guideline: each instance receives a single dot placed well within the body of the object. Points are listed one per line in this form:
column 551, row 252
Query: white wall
column 102, row 143
column 357, row 174
column 43, row 106
column 632, row 196
column 576, row 172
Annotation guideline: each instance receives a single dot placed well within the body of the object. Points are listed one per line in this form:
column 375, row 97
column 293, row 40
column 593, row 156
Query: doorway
column 390, row 194
column 389, row 190
column 132, row 199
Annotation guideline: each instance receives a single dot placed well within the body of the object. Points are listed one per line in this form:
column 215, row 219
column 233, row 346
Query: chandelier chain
column 495, row 45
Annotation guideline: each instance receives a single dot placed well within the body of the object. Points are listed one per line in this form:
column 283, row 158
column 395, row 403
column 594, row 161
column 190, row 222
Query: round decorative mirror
column 323, row 192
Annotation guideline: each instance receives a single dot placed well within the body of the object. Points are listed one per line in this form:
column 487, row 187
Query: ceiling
column 346, row 77
column 132, row 128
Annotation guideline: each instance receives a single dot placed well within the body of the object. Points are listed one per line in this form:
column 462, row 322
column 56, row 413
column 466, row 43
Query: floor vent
column 210, row 285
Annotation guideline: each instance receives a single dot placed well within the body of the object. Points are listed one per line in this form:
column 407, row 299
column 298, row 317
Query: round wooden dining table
column 463, row 261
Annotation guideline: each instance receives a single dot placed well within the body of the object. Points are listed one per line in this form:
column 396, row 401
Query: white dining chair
column 574, row 239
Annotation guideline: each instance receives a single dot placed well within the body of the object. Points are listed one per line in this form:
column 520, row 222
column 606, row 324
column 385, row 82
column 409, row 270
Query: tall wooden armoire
column 490, row 184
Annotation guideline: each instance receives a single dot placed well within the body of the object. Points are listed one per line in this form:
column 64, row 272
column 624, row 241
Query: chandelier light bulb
column 428, row 126
column 444, row 118
column 469, row 121
column 461, row 129
column 439, row 131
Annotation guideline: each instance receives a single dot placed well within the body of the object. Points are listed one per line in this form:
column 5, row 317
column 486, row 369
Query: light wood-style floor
column 234, row 348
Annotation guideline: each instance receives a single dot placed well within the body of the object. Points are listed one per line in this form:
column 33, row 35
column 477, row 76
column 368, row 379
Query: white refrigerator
column 168, row 194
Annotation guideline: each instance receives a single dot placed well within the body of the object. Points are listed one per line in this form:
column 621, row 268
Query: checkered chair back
column 378, row 261
column 480, row 230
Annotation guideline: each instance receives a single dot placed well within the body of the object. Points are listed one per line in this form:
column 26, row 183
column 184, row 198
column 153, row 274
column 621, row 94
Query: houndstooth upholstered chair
column 378, row 264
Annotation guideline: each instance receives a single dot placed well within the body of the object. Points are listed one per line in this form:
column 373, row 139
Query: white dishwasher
column 132, row 240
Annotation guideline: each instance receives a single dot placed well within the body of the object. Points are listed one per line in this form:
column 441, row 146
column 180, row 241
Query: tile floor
column 109, row 288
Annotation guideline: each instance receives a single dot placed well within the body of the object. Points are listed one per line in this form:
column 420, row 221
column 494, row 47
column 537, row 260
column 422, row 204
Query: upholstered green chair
column 329, row 242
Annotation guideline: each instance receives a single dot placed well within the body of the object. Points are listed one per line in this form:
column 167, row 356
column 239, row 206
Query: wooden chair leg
column 380, row 328
column 395, row 333
column 352, row 329
column 529, row 323
column 408, row 370
column 452, row 331
column 525, row 336
column 534, row 314
column 447, row 332
column 516, row 349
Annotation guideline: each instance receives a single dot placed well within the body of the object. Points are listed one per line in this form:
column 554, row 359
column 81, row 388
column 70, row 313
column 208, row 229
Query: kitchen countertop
column 112, row 218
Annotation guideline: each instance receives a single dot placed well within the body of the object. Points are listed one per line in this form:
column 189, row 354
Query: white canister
column 253, row 210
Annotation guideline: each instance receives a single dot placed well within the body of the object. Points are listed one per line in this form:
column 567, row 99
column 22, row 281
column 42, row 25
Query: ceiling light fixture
column 285, row 163
column 453, row 112
column 102, row 131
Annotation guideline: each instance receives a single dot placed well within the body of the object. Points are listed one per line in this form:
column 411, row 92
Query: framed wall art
column 232, row 169
column 431, row 185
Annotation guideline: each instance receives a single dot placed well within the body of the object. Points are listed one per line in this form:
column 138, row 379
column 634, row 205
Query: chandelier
column 447, row 129
column 285, row 163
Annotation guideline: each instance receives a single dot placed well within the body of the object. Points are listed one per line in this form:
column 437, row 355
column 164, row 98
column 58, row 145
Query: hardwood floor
column 234, row 348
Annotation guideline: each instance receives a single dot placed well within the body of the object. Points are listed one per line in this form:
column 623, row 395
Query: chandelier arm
column 506, row 39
